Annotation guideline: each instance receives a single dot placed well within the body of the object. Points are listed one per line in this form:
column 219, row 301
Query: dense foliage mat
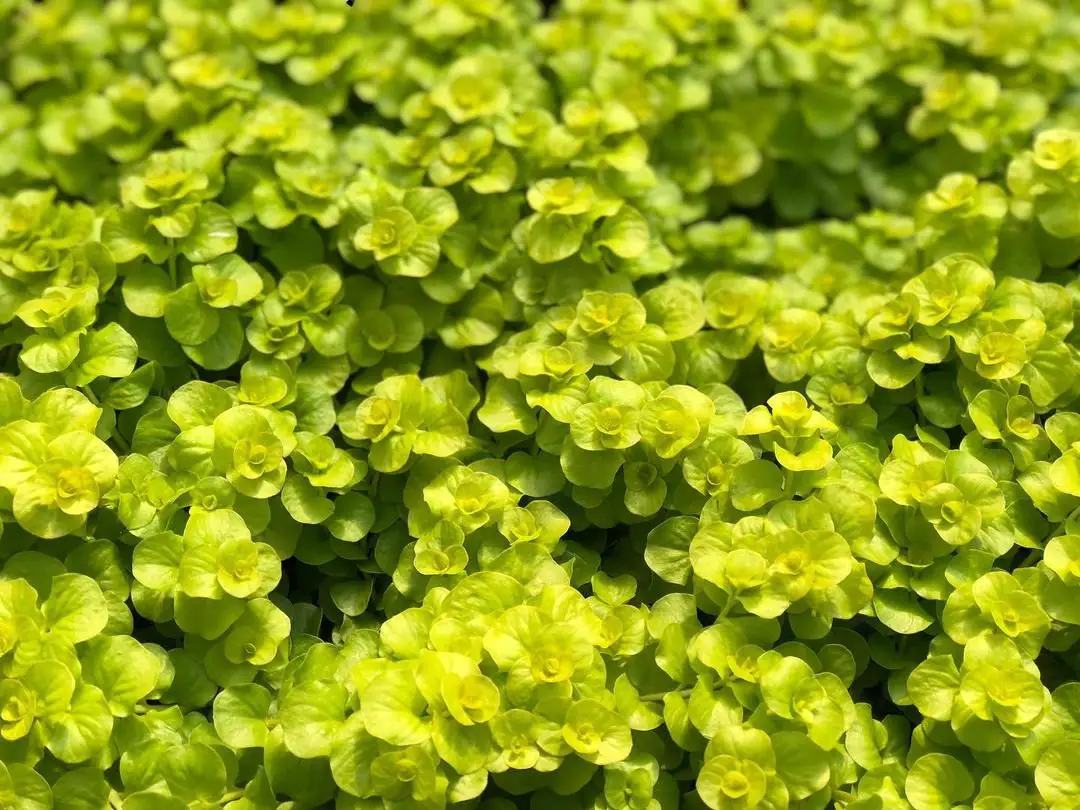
column 625, row 406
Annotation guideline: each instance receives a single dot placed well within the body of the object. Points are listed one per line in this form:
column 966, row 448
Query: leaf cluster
column 420, row 404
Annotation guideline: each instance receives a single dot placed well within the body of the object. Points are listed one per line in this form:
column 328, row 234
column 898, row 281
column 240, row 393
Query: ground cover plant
column 425, row 404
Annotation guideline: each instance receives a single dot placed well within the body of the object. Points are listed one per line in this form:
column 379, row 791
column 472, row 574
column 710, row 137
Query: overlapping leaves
column 653, row 404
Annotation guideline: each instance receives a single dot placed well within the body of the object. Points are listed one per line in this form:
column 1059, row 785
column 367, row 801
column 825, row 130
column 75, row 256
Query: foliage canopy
column 439, row 404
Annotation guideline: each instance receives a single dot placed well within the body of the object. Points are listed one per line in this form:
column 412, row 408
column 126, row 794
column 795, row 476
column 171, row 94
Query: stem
column 729, row 603
column 120, row 440
column 789, row 484
column 116, row 801
column 116, row 436
column 842, row 795
column 172, row 265
column 660, row 695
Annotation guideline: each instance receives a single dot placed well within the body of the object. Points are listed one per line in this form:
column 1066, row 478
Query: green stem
column 172, row 266
column 660, row 695
column 116, row 801
column 729, row 603
column 789, row 485
column 115, row 435
column 120, row 440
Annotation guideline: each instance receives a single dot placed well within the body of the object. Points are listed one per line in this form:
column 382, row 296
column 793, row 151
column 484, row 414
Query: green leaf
column 133, row 390
column 84, row 729
column 106, row 352
column 240, row 715
column 352, row 518
column 189, row 320
column 311, row 714
column 351, row 753
column 197, row 403
column 755, row 484
column 23, row 789
column 597, row 734
column 156, row 561
column 900, row 611
column 81, row 789
column 589, row 468
column 194, row 772
column 223, row 349
column 938, row 782
column 48, row 355
column 667, row 551
column 802, row 765
column 124, row 670
column 146, row 291
column 304, row 502
column 128, row 235
column 76, row 609
column 212, row 235
column 1057, row 776
column 393, row 708
column 505, row 408
column 933, row 686
column 465, row 748
column 536, row 476
column 554, row 237
column 307, row 780
column 351, row 597
column 614, row 590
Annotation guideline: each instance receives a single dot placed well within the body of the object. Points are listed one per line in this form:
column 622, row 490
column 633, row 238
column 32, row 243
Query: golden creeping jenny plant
column 625, row 405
